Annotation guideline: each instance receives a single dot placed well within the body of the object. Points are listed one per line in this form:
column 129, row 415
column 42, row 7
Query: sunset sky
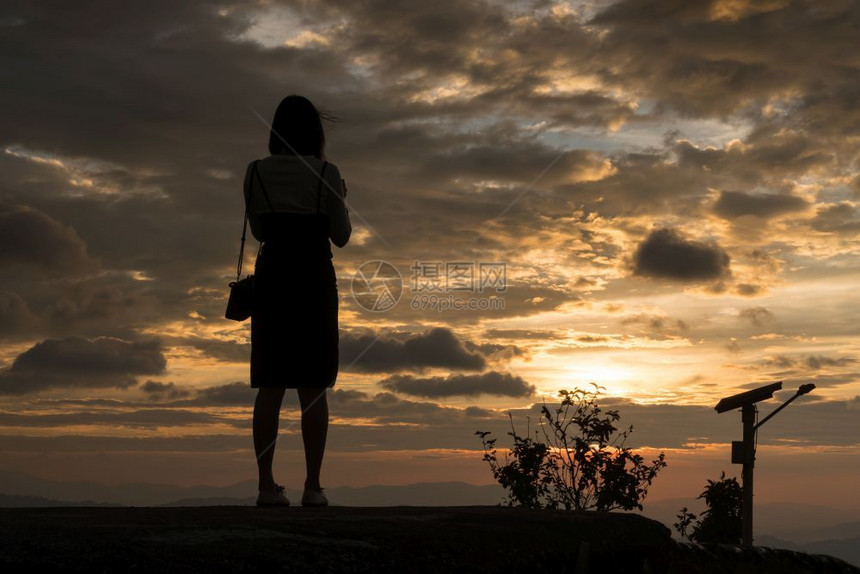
column 672, row 188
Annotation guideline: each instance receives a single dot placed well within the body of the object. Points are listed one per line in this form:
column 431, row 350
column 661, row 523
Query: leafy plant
column 721, row 522
column 579, row 468
column 526, row 476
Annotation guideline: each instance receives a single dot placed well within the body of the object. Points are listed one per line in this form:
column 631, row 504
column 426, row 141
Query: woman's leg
column 314, row 404
column 267, row 407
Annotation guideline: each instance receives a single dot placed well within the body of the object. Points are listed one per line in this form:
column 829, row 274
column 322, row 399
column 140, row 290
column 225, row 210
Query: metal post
column 744, row 451
column 748, row 419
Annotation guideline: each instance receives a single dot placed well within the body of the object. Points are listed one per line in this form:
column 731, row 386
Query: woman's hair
column 298, row 123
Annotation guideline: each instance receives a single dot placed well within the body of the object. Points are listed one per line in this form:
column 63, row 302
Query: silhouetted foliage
column 584, row 468
column 721, row 522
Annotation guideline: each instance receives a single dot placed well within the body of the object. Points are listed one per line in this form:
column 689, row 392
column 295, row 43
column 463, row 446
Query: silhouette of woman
column 295, row 205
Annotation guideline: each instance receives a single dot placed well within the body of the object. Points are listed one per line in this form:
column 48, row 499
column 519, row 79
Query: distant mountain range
column 807, row 527
column 22, row 489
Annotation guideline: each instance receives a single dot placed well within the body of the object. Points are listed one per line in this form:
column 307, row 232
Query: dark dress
column 294, row 333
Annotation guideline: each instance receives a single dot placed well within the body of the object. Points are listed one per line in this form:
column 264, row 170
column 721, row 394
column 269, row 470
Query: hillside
column 381, row 539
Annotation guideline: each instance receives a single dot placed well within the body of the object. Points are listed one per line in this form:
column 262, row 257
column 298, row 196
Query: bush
column 721, row 522
column 586, row 470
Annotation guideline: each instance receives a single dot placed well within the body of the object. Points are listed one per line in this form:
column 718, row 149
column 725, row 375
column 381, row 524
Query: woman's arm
column 339, row 226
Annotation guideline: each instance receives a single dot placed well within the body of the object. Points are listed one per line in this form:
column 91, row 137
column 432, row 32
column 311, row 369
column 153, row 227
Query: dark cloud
column 733, row 204
column 705, row 58
column 159, row 390
column 768, row 153
column 77, row 362
column 148, row 418
column 508, row 160
column 819, row 362
column 496, row 351
column 491, row 383
column 812, row 362
column 229, row 351
column 842, row 218
column 438, row 347
column 666, row 254
column 103, row 355
column 758, row 316
column 586, row 282
column 31, row 238
column 749, row 290
column 15, row 316
column 656, row 325
column 523, row 334
column 433, row 426
column 99, row 301
column 236, row 393
column 645, row 182
column 780, row 361
column 592, row 339
column 156, row 186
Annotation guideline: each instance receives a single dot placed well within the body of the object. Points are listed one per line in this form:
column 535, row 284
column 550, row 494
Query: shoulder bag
column 241, row 301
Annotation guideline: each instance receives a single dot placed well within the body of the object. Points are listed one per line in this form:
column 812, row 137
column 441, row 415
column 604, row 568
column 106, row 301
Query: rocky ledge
column 368, row 539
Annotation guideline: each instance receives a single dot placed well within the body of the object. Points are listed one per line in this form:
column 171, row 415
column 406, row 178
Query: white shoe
column 276, row 498
column 313, row 497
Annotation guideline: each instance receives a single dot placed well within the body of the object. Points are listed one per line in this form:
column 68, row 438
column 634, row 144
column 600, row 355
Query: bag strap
column 245, row 221
column 263, row 187
column 242, row 245
column 319, row 187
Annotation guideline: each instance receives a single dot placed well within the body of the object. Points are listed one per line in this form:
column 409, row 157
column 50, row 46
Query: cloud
column 420, row 125
column 236, row 393
column 656, row 325
column 732, row 204
column 491, row 383
column 758, row 316
column 592, row 338
column 365, row 423
column 694, row 58
column 108, row 301
column 144, row 418
column 749, row 289
column 507, row 160
column 523, row 334
column 229, row 351
column 812, row 362
column 842, row 218
column 16, row 319
column 497, row 352
column 438, row 347
column 666, row 254
column 819, row 361
column 30, row 238
column 77, row 362
column 158, row 390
